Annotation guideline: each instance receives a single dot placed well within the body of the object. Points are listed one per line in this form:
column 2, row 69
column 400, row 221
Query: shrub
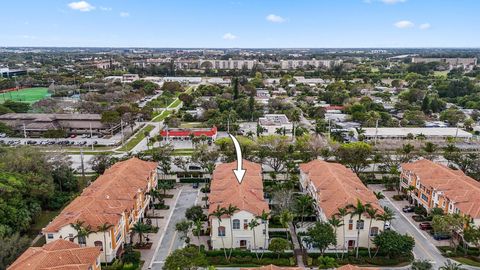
column 327, row 262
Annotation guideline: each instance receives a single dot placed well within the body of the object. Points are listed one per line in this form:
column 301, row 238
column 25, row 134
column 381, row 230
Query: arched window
column 236, row 224
column 374, row 231
column 221, row 231
column 99, row 244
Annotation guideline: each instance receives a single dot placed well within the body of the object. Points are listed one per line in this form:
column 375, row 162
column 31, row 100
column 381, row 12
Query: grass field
column 137, row 139
column 29, row 95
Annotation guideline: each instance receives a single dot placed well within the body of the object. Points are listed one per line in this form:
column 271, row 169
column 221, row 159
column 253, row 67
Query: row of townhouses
column 116, row 200
column 436, row 186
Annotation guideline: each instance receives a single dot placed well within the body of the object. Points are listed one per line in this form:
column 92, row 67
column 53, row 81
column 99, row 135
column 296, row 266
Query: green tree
column 449, row 265
column 188, row 258
column 286, row 217
column 279, row 245
column 229, row 212
column 110, row 118
column 195, row 213
column 104, row 228
column 355, row 155
column 421, row 265
column 264, row 218
column 218, row 213
column 394, row 244
column 140, row 229
column 321, row 236
column 372, row 215
column 252, row 225
column 304, row 203
column 327, row 262
column 183, row 227
column 342, row 213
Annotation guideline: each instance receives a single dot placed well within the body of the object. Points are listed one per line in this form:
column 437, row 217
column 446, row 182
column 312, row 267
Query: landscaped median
column 161, row 116
column 470, row 256
column 137, row 138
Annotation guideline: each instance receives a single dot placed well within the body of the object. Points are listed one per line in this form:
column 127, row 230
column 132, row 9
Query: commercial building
column 187, row 134
column 117, row 198
column 334, row 186
column 312, row 63
column 248, row 197
column 452, row 62
column 437, row 186
column 58, row 254
column 227, row 64
column 429, row 134
column 36, row 124
column 276, row 124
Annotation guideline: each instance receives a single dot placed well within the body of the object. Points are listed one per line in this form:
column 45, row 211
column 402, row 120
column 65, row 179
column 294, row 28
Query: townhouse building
column 434, row 185
column 313, row 63
column 334, row 186
column 117, row 199
column 248, row 197
column 275, row 124
column 58, row 254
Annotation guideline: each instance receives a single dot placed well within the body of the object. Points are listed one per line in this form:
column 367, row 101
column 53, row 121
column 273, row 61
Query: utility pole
column 82, row 165
column 329, row 128
column 91, row 134
column 121, row 127
column 376, row 132
column 24, row 131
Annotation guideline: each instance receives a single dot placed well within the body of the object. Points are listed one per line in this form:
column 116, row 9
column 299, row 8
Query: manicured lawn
column 191, row 125
column 29, row 95
column 467, row 261
column 182, row 152
column 137, row 139
column 161, row 117
column 175, row 103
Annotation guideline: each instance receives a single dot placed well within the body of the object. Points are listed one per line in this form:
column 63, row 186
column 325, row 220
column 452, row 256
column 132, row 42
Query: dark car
column 195, row 185
column 439, row 237
column 425, row 226
column 408, row 209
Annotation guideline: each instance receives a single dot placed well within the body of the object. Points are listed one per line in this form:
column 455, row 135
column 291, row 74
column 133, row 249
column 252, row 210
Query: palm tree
column 429, row 148
column 379, row 195
column 372, row 214
column 358, row 210
column 336, row 223
column 140, row 229
column 251, row 225
column 264, row 217
column 218, row 213
column 164, row 185
column 285, row 218
column 197, row 230
column 387, row 215
column 449, row 265
column 304, row 202
column 105, row 227
column 342, row 213
column 82, row 232
column 230, row 211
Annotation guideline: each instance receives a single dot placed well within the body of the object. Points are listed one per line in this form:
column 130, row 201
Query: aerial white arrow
column 239, row 172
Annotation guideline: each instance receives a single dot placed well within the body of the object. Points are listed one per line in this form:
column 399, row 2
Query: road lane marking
column 172, row 242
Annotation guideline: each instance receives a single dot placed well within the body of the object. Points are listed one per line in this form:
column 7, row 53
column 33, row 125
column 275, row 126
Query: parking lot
column 77, row 141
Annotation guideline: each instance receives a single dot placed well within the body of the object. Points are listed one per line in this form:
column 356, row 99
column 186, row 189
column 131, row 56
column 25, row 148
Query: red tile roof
column 59, row 254
column 186, row 132
column 108, row 197
column 457, row 186
column 272, row 267
column 225, row 189
column 354, row 267
column 337, row 186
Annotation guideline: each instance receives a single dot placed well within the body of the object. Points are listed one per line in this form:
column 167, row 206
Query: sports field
column 29, row 95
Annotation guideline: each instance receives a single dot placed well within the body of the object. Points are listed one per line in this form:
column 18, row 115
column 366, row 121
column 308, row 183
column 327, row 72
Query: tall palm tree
column 197, row 230
column 105, row 227
column 304, row 202
column 342, row 213
column 164, row 185
column 140, row 229
column 379, row 195
column 336, row 223
column 358, row 210
column 218, row 213
column 251, row 225
column 285, row 218
column 230, row 211
column 264, row 217
column 82, row 231
column 372, row 214
column 430, row 149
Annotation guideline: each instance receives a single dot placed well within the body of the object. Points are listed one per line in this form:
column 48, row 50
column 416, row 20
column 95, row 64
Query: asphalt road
column 171, row 240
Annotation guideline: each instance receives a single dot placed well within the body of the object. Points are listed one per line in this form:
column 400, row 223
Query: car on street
column 195, row 185
column 408, row 209
column 440, row 237
column 425, row 226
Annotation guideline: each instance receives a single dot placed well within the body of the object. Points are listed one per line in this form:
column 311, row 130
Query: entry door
column 351, row 244
column 243, row 243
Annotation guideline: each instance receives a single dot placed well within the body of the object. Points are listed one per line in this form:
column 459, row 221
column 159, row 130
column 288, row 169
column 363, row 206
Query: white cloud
column 124, row 14
column 275, row 18
column 81, row 6
column 404, row 24
column 425, row 26
column 229, row 36
column 390, row 2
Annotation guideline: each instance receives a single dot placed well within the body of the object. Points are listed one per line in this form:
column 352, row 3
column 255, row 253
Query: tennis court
column 29, row 95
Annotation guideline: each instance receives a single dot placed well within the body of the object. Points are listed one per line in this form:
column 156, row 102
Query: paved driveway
column 171, row 241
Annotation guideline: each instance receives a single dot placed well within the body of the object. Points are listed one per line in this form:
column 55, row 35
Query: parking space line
column 409, row 221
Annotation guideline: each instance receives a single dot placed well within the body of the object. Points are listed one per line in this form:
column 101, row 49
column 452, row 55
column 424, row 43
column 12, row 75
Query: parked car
column 3, row 135
column 408, row 209
column 440, row 236
column 387, row 225
column 195, row 185
column 73, row 136
column 425, row 226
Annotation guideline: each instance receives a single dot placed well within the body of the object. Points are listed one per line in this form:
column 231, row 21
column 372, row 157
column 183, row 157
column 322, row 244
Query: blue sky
column 241, row 23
